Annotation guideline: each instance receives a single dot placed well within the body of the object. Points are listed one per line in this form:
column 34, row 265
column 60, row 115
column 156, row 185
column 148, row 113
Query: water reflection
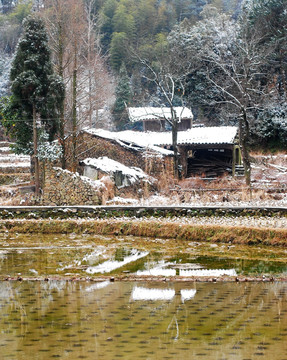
column 208, row 272
column 99, row 285
column 141, row 293
column 81, row 255
column 111, row 265
column 187, row 294
column 154, row 294
column 80, row 320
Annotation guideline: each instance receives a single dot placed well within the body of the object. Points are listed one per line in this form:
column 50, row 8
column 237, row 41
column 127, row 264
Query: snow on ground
column 269, row 188
column 123, row 201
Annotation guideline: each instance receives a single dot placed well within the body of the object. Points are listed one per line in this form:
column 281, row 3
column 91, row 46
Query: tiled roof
column 208, row 135
column 194, row 136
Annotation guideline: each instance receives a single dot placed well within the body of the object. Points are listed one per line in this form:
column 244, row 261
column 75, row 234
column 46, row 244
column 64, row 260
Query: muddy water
column 139, row 320
column 83, row 320
column 90, row 256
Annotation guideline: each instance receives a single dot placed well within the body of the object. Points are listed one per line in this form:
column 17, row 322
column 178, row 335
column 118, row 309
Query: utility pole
column 35, row 154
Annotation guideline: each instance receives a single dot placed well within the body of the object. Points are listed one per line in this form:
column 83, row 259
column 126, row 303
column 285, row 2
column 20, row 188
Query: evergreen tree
column 269, row 19
column 37, row 92
column 123, row 98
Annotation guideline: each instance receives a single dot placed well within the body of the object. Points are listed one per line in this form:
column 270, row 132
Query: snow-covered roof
column 194, row 136
column 110, row 166
column 208, row 135
column 130, row 139
column 157, row 113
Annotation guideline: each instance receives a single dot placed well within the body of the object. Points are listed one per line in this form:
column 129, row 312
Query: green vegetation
column 36, row 90
column 226, row 61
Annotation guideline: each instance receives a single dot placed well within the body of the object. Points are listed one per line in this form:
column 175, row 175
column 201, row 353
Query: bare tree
column 96, row 86
column 57, row 16
column 232, row 61
column 170, row 82
column 74, row 39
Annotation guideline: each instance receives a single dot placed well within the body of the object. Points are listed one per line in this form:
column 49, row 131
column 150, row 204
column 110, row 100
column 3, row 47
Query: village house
column 126, row 149
column 157, row 118
column 204, row 151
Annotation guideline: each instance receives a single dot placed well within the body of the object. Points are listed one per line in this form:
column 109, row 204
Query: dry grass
column 109, row 191
column 154, row 229
column 267, row 182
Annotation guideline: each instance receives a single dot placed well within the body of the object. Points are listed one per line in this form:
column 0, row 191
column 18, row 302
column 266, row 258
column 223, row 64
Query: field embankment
column 252, row 226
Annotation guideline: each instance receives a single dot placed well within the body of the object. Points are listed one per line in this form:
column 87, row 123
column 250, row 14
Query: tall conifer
column 37, row 92
column 123, row 98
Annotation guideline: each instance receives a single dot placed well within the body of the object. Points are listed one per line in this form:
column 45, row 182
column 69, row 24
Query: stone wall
column 90, row 146
column 61, row 187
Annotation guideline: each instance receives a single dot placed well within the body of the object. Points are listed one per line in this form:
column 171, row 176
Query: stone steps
column 14, row 169
column 17, row 178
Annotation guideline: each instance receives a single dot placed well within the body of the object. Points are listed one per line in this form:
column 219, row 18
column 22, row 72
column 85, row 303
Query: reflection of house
column 157, row 118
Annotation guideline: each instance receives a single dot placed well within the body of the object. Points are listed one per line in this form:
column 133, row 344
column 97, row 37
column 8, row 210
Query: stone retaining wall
column 62, row 187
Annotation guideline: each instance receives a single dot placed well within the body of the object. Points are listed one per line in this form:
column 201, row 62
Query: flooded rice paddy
column 137, row 319
column 129, row 320
column 92, row 256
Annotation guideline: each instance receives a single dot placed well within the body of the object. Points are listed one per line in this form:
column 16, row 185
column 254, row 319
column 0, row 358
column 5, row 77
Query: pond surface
column 85, row 320
column 92, row 256
column 139, row 320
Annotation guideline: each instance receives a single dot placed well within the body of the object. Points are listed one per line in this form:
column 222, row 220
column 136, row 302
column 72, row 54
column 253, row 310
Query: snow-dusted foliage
column 48, row 151
column 5, row 65
column 270, row 128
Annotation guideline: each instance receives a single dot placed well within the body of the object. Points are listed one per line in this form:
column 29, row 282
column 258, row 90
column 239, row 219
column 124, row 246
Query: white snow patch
column 120, row 200
column 110, row 166
column 15, row 164
column 157, row 272
column 100, row 251
column 132, row 139
column 160, row 269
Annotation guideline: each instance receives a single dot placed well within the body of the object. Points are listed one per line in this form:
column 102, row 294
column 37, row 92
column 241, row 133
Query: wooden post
column 233, row 160
column 35, row 154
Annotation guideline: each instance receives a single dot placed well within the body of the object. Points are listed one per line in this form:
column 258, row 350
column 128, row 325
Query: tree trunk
column 35, row 154
column 244, row 137
column 62, row 110
column 74, row 114
column 62, row 136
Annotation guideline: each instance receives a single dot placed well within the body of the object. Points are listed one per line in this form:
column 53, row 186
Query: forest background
column 225, row 59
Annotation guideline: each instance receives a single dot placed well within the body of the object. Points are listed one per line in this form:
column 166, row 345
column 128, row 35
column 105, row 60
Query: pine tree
column 37, row 92
column 123, row 98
